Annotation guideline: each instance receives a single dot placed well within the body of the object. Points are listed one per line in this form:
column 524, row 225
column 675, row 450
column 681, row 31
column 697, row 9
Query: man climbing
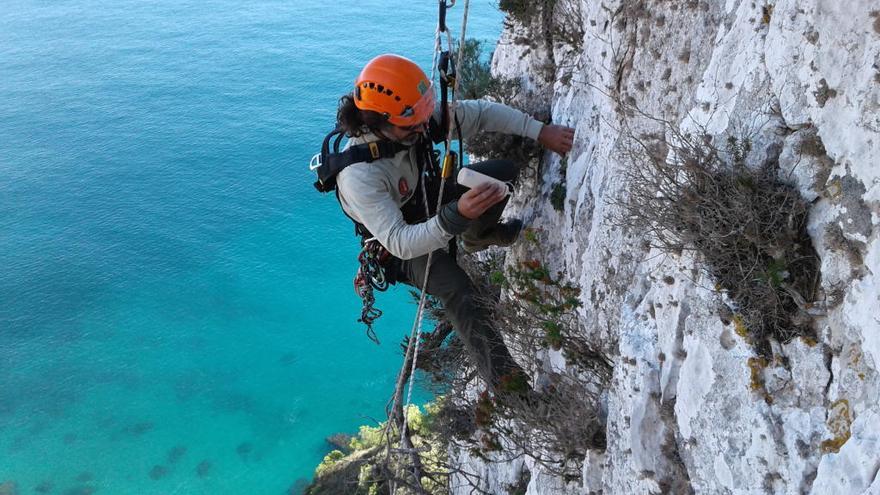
column 392, row 110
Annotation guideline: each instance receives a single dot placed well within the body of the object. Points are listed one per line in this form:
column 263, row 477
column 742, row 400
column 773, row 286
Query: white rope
column 416, row 332
column 453, row 105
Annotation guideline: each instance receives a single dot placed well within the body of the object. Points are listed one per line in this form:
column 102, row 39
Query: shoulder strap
column 334, row 162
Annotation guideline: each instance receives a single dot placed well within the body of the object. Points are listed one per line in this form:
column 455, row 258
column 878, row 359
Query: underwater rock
column 158, row 472
column 340, row 441
column 9, row 488
column 234, row 402
column 80, row 490
column 17, row 445
column 186, row 387
column 298, row 487
column 69, row 438
column 140, row 428
column 287, row 359
column 244, row 449
column 44, row 487
column 107, row 422
column 203, row 468
column 85, row 477
column 176, row 453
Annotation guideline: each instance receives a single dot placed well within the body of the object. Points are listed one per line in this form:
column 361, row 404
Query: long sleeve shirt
column 373, row 193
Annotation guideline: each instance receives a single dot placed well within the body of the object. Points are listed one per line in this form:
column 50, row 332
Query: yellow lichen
column 855, row 356
column 809, row 341
column 757, row 365
column 833, row 189
column 739, row 326
column 766, row 13
column 839, row 421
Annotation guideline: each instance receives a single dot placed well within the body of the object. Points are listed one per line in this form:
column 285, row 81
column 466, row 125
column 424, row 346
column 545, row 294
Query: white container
column 472, row 178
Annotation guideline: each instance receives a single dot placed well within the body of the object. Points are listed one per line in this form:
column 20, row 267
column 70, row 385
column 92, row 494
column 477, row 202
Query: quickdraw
column 371, row 276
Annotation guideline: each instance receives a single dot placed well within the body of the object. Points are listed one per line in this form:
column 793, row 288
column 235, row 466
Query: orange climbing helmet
column 397, row 88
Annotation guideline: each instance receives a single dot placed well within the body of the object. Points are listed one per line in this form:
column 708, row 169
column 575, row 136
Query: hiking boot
column 502, row 234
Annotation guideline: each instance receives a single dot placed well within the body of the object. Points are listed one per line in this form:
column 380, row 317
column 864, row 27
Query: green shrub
column 474, row 72
column 329, row 461
column 557, row 196
column 368, row 437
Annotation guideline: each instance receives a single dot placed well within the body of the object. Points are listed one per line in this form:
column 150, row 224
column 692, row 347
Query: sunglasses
column 414, row 128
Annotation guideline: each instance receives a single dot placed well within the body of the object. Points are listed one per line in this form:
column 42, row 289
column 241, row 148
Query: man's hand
column 473, row 203
column 557, row 138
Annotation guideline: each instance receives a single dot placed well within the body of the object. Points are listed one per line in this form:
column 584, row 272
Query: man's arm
column 480, row 115
column 369, row 201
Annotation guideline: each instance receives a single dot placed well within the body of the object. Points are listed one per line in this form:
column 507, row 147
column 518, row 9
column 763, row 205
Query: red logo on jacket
column 403, row 187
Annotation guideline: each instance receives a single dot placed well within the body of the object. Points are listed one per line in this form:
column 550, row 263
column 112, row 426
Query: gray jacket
column 373, row 193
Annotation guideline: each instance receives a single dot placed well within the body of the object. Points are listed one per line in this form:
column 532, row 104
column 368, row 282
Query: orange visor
column 418, row 113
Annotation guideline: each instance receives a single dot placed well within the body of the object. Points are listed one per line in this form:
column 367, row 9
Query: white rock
column 686, row 410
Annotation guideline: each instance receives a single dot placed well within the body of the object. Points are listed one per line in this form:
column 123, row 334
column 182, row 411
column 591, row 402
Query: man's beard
column 410, row 140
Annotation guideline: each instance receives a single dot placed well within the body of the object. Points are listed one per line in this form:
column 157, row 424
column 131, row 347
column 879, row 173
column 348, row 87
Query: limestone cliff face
column 683, row 414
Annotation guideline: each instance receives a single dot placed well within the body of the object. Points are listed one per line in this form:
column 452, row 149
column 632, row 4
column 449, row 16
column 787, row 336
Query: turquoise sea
column 176, row 305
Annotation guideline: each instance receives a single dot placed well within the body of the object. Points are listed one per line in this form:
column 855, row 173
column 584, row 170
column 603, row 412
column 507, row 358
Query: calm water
column 176, row 310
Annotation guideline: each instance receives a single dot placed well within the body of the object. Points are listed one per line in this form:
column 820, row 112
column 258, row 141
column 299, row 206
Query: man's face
column 407, row 135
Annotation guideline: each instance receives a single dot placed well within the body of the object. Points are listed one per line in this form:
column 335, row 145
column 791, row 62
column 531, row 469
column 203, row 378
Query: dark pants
column 449, row 283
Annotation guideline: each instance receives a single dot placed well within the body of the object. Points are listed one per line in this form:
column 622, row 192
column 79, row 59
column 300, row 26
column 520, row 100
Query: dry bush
column 555, row 424
column 523, row 11
column 568, row 23
column 536, row 312
column 689, row 192
column 555, row 427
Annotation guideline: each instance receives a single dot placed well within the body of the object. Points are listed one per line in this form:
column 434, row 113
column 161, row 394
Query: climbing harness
column 377, row 265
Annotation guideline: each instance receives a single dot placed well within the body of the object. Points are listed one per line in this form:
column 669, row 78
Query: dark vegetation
column 557, row 194
column 694, row 192
column 477, row 81
column 561, row 20
column 523, row 11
